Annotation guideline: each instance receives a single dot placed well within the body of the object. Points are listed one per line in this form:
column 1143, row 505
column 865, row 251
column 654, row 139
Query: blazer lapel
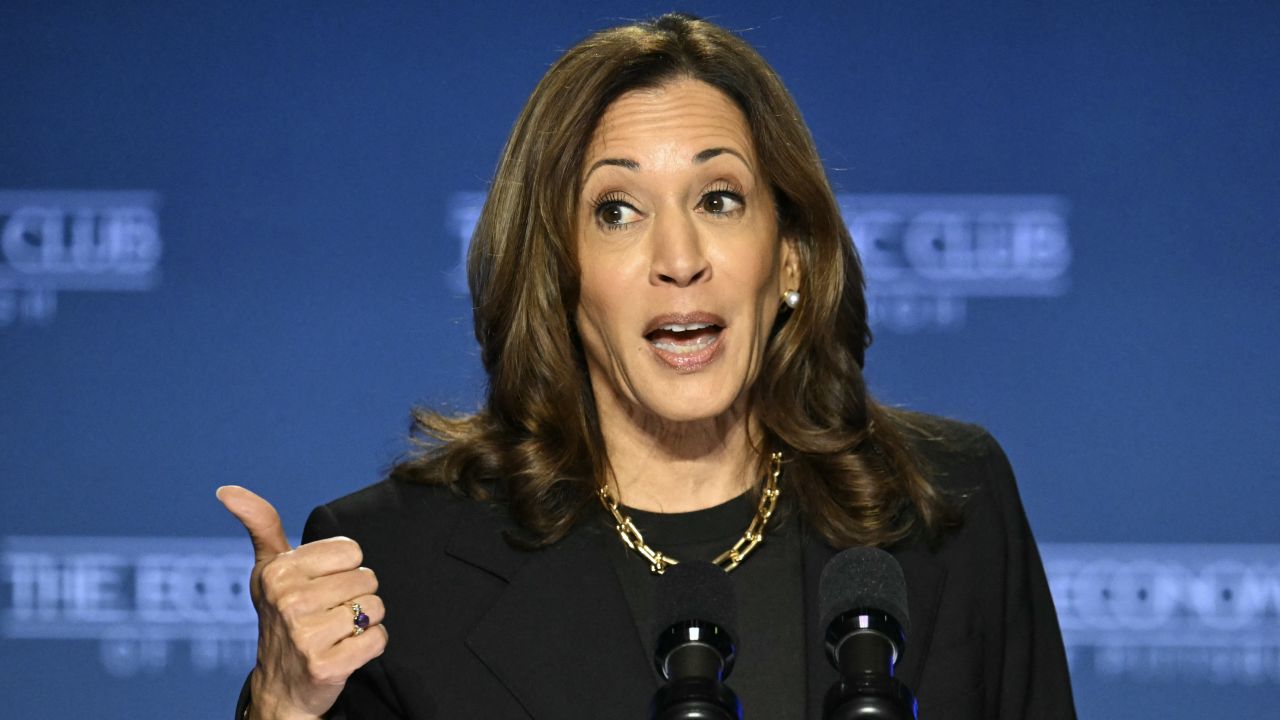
column 560, row 637
column 925, row 577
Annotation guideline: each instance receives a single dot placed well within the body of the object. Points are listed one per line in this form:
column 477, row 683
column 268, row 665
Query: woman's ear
column 789, row 278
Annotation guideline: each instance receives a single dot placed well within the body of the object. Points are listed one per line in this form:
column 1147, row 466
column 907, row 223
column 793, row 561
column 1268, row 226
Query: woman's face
column 682, row 264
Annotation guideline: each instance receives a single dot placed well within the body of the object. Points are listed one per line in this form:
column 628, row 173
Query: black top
column 768, row 675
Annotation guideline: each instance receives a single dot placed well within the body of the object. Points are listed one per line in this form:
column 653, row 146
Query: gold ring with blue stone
column 359, row 621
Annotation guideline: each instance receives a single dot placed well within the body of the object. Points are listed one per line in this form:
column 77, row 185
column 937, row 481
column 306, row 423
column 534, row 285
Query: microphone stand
column 862, row 645
column 695, row 657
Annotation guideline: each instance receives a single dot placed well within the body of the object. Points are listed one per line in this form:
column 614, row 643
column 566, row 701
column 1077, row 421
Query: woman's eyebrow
column 709, row 153
column 616, row 162
column 698, row 159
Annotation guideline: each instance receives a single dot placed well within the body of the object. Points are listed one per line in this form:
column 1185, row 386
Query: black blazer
column 481, row 630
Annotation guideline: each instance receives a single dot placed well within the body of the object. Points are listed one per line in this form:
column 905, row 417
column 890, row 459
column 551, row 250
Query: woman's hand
column 307, row 644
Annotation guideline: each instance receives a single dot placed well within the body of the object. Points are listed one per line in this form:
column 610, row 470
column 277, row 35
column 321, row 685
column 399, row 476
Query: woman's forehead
column 670, row 126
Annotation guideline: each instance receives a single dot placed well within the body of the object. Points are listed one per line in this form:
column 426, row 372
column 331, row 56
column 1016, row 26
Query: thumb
column 259, row 518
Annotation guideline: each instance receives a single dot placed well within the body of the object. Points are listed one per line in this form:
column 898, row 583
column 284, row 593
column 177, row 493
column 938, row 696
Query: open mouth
column 684, row 338
column 686, row 342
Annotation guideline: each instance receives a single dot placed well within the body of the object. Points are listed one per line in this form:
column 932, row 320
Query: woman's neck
column 668, row 467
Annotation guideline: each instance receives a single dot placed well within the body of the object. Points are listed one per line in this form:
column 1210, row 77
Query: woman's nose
column 678, row 254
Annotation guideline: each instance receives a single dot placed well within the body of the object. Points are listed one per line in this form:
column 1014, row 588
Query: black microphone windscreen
column 863, row 578
column 695, row 591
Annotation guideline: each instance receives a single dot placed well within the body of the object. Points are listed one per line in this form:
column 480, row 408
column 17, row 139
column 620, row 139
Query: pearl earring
column 791, row 298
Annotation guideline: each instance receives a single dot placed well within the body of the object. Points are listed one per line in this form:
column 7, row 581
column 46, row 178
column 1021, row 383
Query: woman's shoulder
column 989, row 605
column 960, row 458
column 967, row 466
column 934, row 434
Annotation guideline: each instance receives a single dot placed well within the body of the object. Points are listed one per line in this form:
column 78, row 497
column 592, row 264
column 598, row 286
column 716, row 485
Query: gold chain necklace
column 727, row 560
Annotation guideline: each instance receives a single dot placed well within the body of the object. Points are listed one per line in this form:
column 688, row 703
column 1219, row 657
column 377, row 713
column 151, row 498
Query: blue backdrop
column 229, row 251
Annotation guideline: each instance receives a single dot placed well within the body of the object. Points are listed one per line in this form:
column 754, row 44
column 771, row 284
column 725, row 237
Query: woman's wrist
column 270, row 711
column 266, row 705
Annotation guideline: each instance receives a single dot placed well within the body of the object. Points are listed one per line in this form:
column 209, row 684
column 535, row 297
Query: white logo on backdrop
column 54, row 241
column 1139, row 612
column 143, row 599
column 924, row 256
column 1148, row 612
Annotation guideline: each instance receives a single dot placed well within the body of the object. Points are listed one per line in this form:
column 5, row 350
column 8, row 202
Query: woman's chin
column 683, row 405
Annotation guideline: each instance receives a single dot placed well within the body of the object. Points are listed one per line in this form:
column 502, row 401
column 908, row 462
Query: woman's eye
column 616, row 214
column 722, row 202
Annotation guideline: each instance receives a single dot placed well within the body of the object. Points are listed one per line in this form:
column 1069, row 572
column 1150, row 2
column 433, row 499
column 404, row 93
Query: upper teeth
column 685, row 328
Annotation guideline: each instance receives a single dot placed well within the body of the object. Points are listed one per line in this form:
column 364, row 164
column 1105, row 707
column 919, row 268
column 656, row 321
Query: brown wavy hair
column 536, row 443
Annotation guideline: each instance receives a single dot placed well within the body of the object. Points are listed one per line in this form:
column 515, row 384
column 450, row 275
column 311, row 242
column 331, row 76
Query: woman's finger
column 330, row 591
column 259, row 518
column 339, row 623
column 339, row 661
column 326, row 557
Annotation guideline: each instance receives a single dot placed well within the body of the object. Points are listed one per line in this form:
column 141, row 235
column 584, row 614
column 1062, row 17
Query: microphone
column 695, row 649
column 864, row 609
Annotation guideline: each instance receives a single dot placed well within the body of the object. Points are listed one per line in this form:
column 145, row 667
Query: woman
column 671, row 315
